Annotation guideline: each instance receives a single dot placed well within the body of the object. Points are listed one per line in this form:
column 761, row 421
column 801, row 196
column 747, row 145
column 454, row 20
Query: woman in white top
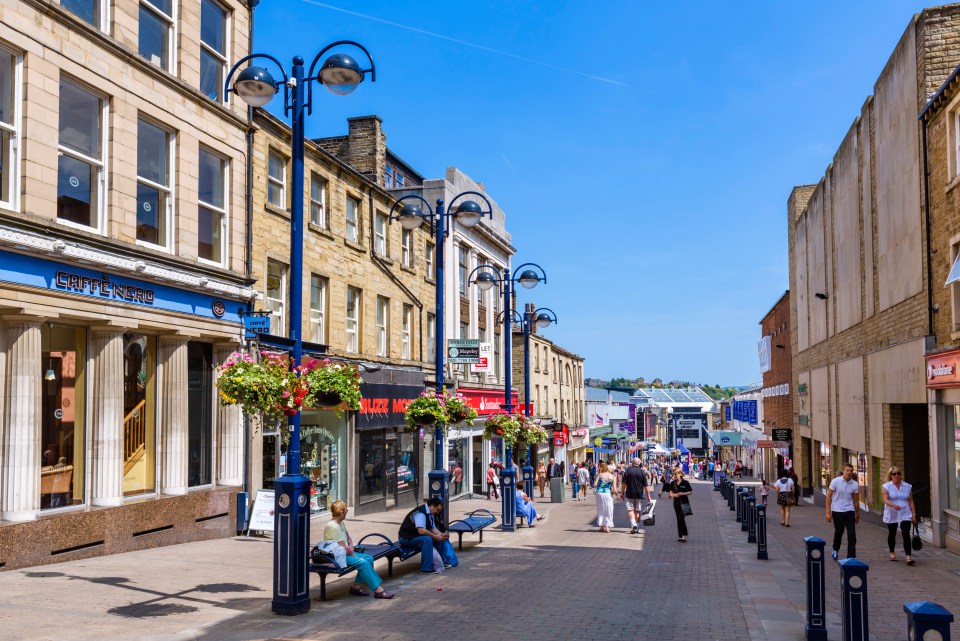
column 898, row 512
column 784, row 489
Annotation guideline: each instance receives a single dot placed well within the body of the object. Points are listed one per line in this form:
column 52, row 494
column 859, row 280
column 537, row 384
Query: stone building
column 777, row 393
column 859, row 283
column 122, row 262
column 368, row 294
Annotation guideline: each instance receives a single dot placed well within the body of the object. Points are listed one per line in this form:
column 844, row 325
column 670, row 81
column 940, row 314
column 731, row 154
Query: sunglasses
column 896, row 473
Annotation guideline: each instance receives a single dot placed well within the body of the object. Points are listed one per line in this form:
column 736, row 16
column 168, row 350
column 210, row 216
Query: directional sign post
column 463, row 350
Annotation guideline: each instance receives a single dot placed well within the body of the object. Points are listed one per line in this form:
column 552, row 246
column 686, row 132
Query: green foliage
column 457, row 409
column 324, row 377
column 718, row 393
column 427, row 404
column 502, row 426
column 268, row 385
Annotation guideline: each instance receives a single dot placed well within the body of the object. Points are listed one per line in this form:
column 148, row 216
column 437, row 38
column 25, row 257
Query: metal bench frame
column 476, row 521
column 388, row 549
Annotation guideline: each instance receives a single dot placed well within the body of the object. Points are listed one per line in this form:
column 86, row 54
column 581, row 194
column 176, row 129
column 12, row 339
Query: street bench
column 327, row 564
column 476, row 521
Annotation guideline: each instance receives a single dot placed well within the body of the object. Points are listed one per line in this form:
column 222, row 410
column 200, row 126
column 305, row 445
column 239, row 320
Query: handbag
column 915, row 541
column 686, row 510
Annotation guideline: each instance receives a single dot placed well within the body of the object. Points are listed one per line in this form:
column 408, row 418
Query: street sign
column 256, row 324
column 598, row 441
column 463, row 350
column 486, row 354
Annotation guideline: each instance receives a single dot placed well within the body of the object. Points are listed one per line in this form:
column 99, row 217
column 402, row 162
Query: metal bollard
column 923, row 617
column 716, row 481
column 816, row 627
column 723, row 488
column 751, row 519
column 731, row 498
column 740, row 505
column 744, row 503
column 762, row 531
column 854, row 612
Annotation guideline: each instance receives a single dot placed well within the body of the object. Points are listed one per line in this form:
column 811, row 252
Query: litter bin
column 556, row 489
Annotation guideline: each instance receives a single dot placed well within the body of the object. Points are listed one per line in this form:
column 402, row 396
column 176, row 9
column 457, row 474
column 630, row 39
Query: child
column 764, row 491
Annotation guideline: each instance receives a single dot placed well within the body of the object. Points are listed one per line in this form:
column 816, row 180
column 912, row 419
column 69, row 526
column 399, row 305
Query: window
column 406, row 247
column 383, row 313
column 399, row 180
column 464, row 330
column 156, row 31
column 388, row 177
column 139, row 411
column 431, row 251
column 496, row 358
column 318, row 307
column 89, row 10
column 212, row 214
column 213, row 48
column 80, row 167
column 536, row 358
column 431, row 338
column 353, row 219
column 199, row 414
column 353, row 319
column 462, row 260
column 318, row 200
column 380, row 234
column 480, row 261
column 277, row 180
column 154, row 202
column 9, row 128
column 405, row 332
column 276, row 295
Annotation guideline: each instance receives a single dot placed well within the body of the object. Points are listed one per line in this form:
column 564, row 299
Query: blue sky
column 643, row 152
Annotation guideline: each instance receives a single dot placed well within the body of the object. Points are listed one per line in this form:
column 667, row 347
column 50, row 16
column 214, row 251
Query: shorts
column 634, row 504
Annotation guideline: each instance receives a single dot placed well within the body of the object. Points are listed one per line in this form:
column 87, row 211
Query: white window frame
column 171, row 20
column 222, row 57
column 318, row 308
column 100, row 19
column 383, row 320
column 406, row 247
column 380, row 244
column 224, row 219
column 13, row 130
column 352, row 231
column 431, row 338
column 407, row 324
column 280, row 181
column 388, row 176
column 168, row 190
column 96, row 162
column 398, row 180
column 462, row 269
column 318, row 207
column 277, row 306
column 352, row 325
column 430, row 249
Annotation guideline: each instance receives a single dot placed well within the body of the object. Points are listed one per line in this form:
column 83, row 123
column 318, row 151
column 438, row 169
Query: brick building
column 859, row 319
column 777, row 392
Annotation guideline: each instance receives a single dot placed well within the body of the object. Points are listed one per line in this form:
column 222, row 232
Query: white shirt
column 898, row 496
column 843, row 491
column 784, row 485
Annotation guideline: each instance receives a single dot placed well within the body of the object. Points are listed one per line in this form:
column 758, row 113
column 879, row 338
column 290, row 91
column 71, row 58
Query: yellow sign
column 598, row 441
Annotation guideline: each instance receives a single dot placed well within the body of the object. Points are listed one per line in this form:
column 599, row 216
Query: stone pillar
column 106, row 345
column 20, row 463
column 174, row 426
column 229, row 430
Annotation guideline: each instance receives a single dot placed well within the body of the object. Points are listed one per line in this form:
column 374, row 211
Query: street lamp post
column 341, row 74
column 410, row 214
column 486, row 277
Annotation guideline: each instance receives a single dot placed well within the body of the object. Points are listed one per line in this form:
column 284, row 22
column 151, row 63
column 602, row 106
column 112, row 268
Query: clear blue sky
column 643, row 152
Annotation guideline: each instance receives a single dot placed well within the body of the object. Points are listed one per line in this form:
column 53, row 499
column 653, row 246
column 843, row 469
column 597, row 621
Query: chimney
column 367, row 146
column 528, row 314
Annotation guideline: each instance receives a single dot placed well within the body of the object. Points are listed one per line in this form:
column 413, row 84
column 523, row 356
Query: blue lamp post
column 486, row 277
column 341, row 74
column 409, row 212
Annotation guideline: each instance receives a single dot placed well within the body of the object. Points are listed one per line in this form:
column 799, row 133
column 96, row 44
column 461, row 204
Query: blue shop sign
column 51, row 275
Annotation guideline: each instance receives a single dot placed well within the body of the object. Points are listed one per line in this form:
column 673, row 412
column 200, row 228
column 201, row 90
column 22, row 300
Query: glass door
column 391, row 472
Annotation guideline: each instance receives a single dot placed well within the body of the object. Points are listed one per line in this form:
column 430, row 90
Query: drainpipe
column 926, row 218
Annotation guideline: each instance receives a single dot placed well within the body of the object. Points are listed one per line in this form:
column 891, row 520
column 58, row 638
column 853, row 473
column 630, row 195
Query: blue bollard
column 762, row 532
column 744, row 498
column 923, row 617
column 854, row 612
column 740, row 505
column 731, row 498
column 723, row 488
column 816, row 627
column 751, row 519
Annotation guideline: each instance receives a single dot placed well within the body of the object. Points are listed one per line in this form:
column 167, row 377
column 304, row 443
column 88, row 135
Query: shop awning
column 725, row 438
column 682, row 448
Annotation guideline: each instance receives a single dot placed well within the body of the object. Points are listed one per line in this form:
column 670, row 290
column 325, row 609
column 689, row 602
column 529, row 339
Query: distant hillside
column 716, row 392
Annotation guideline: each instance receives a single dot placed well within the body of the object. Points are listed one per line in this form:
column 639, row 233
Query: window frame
column 171, row 32
column 406, row 247
column 169, row 191
column 318, row 314
column 222, row 57
column 462, row 270
column 398, row 180
column 430, row 250
column 406, row 328
column 224, row 217
column 388, row 177
column 381, row 240
column 278, row 302
column 431, row 338
column 281, row 182
column 351, row 327
column 382, row 326
column 101, row 162
column 480, row 261
column 321, row 204
column 99, row 7
column 353, row 223
column 14, row 132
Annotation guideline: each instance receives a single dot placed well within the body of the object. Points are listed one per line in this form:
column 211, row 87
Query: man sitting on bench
column 419, row 530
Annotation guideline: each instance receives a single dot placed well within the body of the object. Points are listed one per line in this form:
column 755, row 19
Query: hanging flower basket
column 332, row 384
column 457, row 409
column 502, row 426
column 266, row 386
column 424, row 419
column 426, row 409
column 328, row 399
column 530, row 431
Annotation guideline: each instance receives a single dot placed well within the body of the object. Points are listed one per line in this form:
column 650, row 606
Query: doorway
column 476, row 467
column 916, row 455
column 390, row 460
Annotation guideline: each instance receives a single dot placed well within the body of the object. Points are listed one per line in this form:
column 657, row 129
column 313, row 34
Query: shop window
column 407, row 464
column 862, row 475
column 212, row 212
column 371, row 449
column 322, row 440
column 199, row 413
column 139, row 414
column 80, row 166
column 156, row 32
column 62, row 408
column 456, row 458
column 9, row 129
column 213, row 48
column 952, row 443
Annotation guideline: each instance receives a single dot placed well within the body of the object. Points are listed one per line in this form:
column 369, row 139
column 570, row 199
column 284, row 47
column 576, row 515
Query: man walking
column 843, row 508
column 583, row 478
column 634, row 486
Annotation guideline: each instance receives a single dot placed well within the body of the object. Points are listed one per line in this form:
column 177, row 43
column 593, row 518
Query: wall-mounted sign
column 484, row 359
column 383, row 405
column 463, row 350
column 782, row 434
column 942, row 370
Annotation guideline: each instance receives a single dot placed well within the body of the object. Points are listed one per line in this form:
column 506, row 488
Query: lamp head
column 410, row 216
column 468, row 213
column 543, row 319
column 485, row 280
column 255, row 86
column 340, row 73
column 528, row 279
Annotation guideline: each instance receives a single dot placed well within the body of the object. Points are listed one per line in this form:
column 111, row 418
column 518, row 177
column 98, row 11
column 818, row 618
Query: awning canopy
column 725, row 438
column 682, row 449
column 658, row 449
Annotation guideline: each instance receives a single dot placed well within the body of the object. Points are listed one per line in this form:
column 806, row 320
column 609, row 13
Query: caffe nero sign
column 383, row 405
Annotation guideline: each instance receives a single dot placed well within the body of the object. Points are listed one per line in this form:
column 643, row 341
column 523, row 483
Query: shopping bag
column 648, row 513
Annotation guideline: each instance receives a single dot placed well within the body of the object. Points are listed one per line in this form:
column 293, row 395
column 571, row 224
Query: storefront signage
column 50, row 275
column 383, row 405
column 745, row 411
column 558, row 440
column 782, row 434
column 487, row 401
column 773, row 444
column 484, row 358
column 463, row 350
column 942, row 370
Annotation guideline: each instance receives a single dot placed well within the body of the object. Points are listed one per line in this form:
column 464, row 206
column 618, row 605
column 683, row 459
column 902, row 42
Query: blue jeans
column 427, row 545
column 365, row 572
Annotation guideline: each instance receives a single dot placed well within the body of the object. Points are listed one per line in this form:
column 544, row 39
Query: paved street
column 560, row 578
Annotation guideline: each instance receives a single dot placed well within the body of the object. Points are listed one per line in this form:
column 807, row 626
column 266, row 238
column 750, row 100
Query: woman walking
column 680, row 490
column 898, row 512
column 541, row 477
column 605, row 487
column 784, row 488
column 492, row 481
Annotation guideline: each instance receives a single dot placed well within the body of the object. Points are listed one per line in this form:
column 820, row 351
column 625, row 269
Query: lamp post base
column 527, row 473
column 291, row 538
column 508, row 484
column 440, row 488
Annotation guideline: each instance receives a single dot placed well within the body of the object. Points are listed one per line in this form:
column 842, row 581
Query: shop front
column 943, row 395
column 390, row 456
column 467, row 446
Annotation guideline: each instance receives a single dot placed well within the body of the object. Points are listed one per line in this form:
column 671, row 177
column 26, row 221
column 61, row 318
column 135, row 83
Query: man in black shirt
column 634, row 488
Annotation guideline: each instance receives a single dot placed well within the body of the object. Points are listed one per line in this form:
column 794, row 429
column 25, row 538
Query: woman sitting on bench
column 337, row 531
